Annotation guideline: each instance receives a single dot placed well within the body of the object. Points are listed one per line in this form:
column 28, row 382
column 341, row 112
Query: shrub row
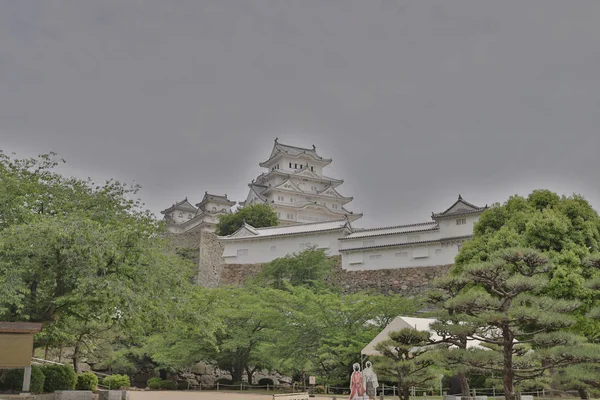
column 49, row 378
column 164, row 384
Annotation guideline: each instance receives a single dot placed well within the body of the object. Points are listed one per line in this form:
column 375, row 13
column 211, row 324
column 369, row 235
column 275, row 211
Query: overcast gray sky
column 415, row 101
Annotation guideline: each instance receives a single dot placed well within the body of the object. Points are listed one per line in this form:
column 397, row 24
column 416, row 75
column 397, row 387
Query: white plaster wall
column 267, row 249
column 390, row 239
column 219, row 207
column 449, row 228
column 399, row 257
column 185, row 216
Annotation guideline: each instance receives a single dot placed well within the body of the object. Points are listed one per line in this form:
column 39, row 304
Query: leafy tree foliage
column 502, row 304
column 256, row 215
column 80, row 257
column 565, row 229
column 307, row 268
column 407, row 358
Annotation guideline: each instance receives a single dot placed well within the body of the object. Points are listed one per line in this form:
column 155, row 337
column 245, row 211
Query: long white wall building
column 431, row 243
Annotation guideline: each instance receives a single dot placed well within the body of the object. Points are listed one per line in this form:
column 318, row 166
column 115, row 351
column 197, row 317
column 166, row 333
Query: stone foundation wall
column 204, row 250
column 406, row 281
column 210, row 261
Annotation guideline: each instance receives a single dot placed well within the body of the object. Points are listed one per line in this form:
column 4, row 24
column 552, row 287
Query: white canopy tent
column 398, row 323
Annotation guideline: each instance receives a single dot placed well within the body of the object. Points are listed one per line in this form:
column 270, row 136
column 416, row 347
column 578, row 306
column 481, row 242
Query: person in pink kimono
column 356, row 383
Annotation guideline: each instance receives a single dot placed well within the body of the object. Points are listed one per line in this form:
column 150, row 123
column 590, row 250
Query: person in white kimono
column 370, row 383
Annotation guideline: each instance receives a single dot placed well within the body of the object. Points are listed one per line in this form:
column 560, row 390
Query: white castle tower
column 294, row 185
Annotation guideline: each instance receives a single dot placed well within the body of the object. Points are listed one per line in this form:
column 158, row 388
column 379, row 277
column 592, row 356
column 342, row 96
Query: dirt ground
column 152, row 395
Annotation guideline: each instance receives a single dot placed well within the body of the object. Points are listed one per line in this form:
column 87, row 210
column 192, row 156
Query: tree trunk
column 508, row 380
column 403, row 392
column 464, row 385
column 237, row 373
column 583, row 394
column 46, row 353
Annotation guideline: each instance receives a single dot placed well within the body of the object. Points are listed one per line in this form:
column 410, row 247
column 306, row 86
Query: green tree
column 256, row 215
column 309, row 267
column 407, row 358
column 565, row 229
column 82, row 258
column 503, row 306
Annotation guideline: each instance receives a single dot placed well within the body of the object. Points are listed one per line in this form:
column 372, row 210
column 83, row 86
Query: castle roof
column 405, row 244
column 393, row 230
column 247, row 231
column 303, row 173
column 216, row 199
column 460, row 207
column 183, row 205
column 294, row 151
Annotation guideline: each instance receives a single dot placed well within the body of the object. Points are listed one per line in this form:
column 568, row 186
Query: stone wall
column 406, row 281
column 205, row 251
column 210, row 261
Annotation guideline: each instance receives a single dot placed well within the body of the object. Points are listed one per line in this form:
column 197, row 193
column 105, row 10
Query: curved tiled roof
column 393, row 230
column 183, row 205
column 294, row 151
column 383, row 246
column 296, row 229
column 456, row 209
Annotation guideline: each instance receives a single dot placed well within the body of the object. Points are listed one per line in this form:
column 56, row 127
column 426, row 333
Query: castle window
column 461, row 221
column 375, row 257
column 311, row 168
column 292, row 199
column 401, row 254
column 438, row 251
column 242, row 252
column 290, row 165
column 296, row 166
column 280, row 198
column 180, row 215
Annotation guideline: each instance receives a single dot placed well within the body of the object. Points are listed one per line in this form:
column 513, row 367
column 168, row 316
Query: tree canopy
column 256, row 215
column 80, row 256
column 502, row 304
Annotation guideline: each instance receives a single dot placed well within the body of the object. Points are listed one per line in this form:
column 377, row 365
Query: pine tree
column 502, row 305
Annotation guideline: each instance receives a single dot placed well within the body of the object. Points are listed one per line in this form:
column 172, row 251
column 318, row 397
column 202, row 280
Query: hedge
column 157, row 383
column 87, row 381
column 59, row 377
column 13, row 379
column 116, row 381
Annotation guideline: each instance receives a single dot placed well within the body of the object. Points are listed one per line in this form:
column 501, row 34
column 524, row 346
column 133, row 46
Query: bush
column 319, row 389
column 157, row 383
column 154, row 383
column 183, row 385
column 59, row 377
column 87, row 381
column 168, row 385
column 13, row 379
column 116, row 381
column 265, row 382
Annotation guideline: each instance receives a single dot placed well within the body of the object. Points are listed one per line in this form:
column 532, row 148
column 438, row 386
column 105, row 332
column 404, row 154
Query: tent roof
column 398, row 323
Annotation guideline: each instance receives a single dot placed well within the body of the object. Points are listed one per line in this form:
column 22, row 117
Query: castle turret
column 297, row 189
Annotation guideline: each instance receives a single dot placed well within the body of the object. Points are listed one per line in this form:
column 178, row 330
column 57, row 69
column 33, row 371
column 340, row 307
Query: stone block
column 74, row 395
column 113, row 395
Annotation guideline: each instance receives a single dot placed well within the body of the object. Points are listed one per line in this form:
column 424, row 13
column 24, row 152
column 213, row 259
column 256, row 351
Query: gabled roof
column 460, row 207
column 335, row 193
column 249, row 232
column 399, row 323
column 183, row 205
column 294, row 151
column 393, row 230
column 300, row 174
column 216, row 199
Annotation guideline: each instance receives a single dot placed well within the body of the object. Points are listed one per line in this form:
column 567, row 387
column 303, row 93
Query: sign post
column 16, row 347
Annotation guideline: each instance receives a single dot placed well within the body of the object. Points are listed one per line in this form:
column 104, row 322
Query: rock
column 208, row 380
column 200, row 368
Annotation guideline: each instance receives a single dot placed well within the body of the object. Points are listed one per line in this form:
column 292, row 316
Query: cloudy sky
column 415, row 101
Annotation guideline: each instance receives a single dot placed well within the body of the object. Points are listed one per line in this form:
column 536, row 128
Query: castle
column 312, row 213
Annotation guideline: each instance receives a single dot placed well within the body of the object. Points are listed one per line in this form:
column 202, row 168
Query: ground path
column 206, row 395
